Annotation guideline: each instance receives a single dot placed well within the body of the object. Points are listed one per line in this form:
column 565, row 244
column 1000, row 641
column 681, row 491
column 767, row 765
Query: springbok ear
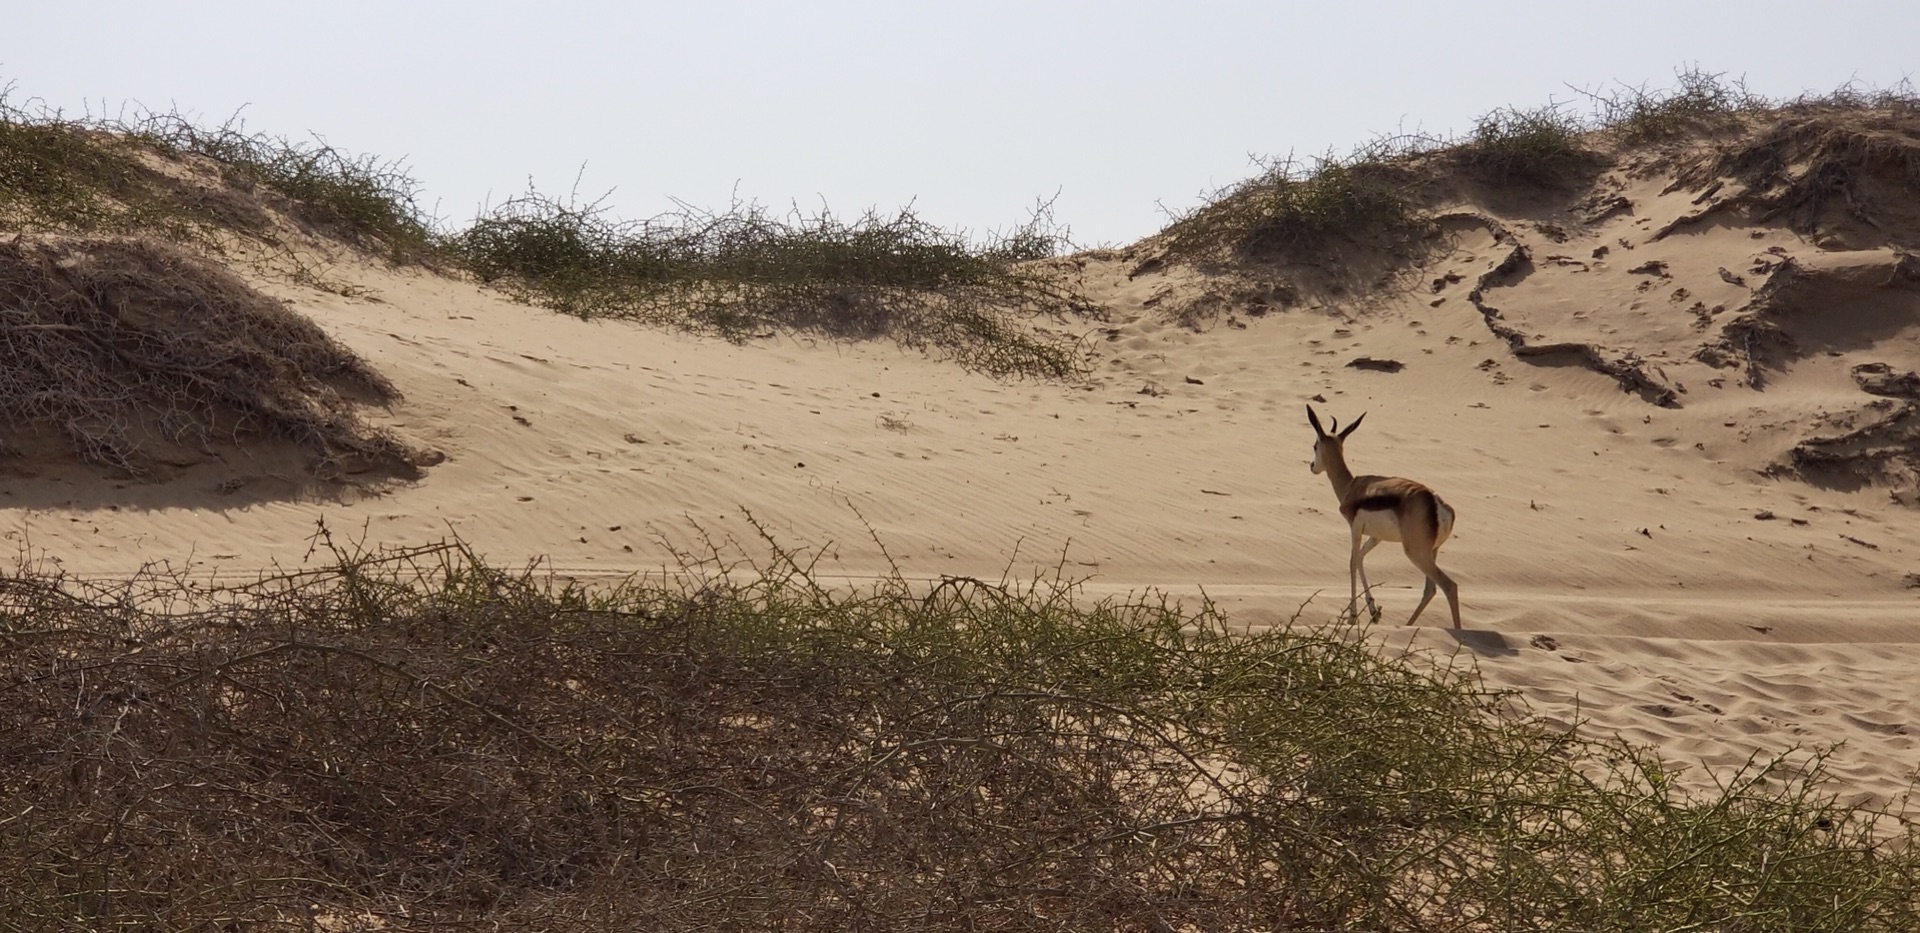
column 1314, row 420
column 1355, row 424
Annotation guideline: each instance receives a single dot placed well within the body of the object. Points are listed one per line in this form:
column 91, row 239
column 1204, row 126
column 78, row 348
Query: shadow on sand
column 1486, row 644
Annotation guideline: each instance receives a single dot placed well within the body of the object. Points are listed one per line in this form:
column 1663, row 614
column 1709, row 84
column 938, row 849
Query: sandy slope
column 1612, row 560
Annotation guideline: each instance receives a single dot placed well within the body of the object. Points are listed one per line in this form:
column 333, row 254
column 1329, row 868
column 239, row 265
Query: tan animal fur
column 1385, row 508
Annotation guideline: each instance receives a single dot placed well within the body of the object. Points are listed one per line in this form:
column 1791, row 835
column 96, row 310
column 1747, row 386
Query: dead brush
column 1818, row 156
column 134, row 353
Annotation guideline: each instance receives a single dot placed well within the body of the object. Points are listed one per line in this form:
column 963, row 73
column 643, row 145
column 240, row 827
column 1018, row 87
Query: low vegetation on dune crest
column 1376, row 196
column 746, row 270
column 734, row 273
column 165, row 175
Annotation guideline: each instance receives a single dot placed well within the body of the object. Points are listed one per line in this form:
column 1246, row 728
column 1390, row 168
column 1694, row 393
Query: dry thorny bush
column 139, row 355
column 412, row 740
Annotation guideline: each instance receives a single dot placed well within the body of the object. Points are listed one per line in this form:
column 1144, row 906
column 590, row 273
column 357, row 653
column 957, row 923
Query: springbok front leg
column 1366, row 588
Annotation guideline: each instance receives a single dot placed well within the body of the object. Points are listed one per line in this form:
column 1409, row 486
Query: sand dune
column 1612, row 396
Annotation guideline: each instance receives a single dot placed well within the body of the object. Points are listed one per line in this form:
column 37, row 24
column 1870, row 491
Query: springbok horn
column 1314, row 420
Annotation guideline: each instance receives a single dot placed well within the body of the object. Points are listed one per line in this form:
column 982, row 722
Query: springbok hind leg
column 1426, row 596
column 1423, row 558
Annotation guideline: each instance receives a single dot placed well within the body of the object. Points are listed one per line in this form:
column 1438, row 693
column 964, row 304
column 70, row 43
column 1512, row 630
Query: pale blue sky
column 970, row 110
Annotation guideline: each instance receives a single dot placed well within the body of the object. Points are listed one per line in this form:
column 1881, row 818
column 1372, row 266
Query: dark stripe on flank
column 1383, row 502
column 1388, row 501
column 1391, row 501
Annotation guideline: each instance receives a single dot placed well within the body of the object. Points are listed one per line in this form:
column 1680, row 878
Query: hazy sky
column 969, row 110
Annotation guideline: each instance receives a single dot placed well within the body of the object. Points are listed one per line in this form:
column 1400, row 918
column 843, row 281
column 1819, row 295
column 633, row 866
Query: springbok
column 1385, row 508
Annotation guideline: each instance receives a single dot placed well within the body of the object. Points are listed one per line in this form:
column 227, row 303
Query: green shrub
column 1698, row 99
column 1291, row 207
column 1540, row 145
column 747, row 270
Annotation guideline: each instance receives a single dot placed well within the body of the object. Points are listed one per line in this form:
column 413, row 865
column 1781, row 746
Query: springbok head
column 1327, row 442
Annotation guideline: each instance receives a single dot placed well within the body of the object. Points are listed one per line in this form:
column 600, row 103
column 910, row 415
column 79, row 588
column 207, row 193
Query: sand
column 1647, row 568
